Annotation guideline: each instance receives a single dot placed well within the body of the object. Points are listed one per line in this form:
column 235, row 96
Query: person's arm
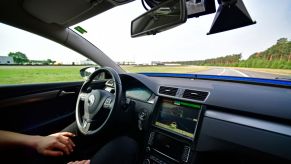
column 80, row 162
column 56, row 144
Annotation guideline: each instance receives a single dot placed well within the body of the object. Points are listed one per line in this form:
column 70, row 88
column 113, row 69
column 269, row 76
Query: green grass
column 46, row 74
column 38, row 74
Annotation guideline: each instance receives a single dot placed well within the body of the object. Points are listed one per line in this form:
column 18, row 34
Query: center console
column 173, row 132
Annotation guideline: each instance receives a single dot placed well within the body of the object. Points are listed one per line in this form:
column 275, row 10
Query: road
column 239, row 72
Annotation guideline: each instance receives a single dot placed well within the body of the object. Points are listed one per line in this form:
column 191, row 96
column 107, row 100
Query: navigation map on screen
column 178, row 116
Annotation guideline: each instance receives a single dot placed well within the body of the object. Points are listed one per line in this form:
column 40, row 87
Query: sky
column 110, row 31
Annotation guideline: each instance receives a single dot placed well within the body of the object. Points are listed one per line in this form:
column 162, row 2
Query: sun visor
column 230, row 16
column 68, row 12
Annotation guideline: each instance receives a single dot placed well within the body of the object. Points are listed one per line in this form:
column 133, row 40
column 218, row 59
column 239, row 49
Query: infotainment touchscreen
column 178, row 116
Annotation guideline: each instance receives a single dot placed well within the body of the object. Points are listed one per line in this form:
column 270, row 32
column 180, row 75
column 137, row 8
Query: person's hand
column 56, row 144
column 80, row 162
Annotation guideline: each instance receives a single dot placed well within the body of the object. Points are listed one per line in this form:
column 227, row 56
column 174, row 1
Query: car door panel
column 38, row 108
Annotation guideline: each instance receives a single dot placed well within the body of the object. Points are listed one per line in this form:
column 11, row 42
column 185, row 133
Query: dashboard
column 206, row 121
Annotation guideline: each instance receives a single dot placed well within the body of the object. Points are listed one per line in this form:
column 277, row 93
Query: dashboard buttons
column 148, row 149
column 186, row 153
column 139, row 122
column 141, row 118
column 151, row 138
column 142, row 115
column 107, row 103
column 157, row 160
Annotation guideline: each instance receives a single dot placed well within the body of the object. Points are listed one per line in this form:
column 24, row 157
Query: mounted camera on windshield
column 231, row 14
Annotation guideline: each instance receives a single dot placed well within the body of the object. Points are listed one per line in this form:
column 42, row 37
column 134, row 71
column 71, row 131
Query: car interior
column 174, row 118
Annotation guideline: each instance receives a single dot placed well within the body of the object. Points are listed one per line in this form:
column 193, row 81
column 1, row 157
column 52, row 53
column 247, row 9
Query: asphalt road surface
column 239, row 72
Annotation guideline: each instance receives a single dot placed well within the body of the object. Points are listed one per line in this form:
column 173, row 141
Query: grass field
column 45, row 74
column 38, row 74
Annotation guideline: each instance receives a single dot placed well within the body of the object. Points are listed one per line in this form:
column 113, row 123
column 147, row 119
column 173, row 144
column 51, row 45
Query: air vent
column 168, row 91
column 195, row 95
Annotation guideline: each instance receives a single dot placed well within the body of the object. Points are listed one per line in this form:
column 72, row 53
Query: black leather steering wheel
column 95, row 107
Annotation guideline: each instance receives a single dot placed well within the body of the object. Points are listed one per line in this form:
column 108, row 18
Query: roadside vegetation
column 46, row 74
column 39, row 74
column 21, row 58
column 275, row 60
column 277, row 56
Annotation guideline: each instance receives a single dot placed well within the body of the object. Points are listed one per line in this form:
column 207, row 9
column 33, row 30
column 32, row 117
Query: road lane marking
column 239, row 72
column 222, row 71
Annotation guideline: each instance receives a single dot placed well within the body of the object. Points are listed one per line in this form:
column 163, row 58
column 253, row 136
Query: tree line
column 277, row 56
column 219, row 61
column 21, row 58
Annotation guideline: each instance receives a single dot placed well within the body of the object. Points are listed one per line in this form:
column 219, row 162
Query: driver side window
column 26, row 58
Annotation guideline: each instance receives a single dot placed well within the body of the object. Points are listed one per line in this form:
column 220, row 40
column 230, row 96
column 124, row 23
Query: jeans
column 121, row 150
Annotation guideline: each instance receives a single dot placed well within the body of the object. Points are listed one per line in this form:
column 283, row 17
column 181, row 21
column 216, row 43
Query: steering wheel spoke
column 86, row 125
column 83, row 96
column 86, row 115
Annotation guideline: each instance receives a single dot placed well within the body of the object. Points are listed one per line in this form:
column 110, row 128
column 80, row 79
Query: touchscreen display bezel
column 159, row 108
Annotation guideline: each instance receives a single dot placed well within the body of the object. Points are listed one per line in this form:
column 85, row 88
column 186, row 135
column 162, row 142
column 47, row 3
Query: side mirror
column 87, row 71
column 160, row 18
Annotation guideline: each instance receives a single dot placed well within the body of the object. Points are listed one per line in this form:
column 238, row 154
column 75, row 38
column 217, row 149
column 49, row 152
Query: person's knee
column 122, row 150
column 127, row 144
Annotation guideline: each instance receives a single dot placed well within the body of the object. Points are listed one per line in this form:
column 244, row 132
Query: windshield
column 261, row 50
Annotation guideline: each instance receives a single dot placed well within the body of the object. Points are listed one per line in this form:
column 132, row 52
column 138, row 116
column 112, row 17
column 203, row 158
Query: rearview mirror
column 160, row 18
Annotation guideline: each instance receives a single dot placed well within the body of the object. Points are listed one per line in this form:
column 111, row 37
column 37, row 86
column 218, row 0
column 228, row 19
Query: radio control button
column 186, row 153
column 148, row 149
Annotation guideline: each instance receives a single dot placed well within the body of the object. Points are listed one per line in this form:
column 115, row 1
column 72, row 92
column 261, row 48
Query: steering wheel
column 95, row 107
